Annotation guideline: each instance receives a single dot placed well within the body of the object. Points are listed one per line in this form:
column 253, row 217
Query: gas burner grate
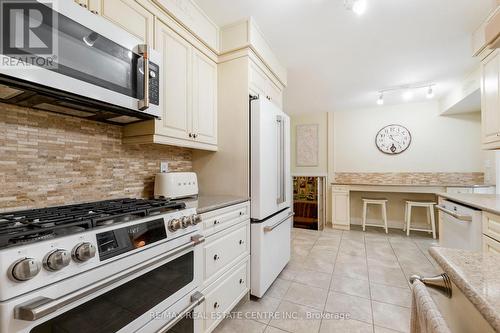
column 39, row 224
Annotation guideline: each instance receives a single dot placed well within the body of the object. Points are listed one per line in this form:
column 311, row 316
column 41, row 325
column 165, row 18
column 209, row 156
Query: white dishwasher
column 460, row 226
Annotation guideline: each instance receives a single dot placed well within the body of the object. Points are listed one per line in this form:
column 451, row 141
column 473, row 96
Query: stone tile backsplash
column 48, row 159
column 410, row 178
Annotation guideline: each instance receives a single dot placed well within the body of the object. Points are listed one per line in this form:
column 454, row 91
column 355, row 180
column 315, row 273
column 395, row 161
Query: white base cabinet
column 226, row 262
column 341, row 217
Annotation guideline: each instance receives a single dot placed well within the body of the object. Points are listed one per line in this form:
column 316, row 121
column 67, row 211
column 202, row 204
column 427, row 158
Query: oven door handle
column 144, row 52
column 196, row 299
column 43, row 306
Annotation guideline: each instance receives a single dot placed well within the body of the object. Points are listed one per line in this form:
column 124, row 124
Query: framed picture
column 307, row 142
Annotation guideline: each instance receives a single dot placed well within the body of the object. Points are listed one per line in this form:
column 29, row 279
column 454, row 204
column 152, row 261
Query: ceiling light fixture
column 407, row 95
column 357, row 6
column 380, row 100
column 407, row 91
column 430, row 92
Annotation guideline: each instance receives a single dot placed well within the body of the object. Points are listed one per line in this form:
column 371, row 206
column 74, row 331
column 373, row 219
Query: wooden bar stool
column 429, row 206
column 383, row 205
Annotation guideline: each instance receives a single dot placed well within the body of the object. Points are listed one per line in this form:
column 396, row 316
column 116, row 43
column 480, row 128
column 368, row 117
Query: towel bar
column 441, row 283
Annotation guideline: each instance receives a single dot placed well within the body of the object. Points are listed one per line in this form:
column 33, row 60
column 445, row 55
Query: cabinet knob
column 216, row 222
column 190, row 135
column 216, row 257
column 216, row 305
column 240, row 242
column 241, row 213
column 241, row 281
column 195, row 136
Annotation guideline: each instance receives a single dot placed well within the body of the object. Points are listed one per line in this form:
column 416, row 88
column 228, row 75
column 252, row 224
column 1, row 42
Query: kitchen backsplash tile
column 410, row 178
column 48, row 159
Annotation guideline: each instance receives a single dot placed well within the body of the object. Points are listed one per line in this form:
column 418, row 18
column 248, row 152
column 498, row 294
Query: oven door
column 93, row 58
column 155, row 296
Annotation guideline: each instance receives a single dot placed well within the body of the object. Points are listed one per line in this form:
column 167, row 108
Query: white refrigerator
column 271, row 193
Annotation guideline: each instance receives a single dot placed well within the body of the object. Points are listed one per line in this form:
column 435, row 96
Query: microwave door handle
column 196, row 299
column 43, row 306
column 144, row 52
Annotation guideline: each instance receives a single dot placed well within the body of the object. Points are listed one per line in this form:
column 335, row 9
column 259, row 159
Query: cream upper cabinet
column 176, row 91
column 127, row 14
column 204, row 101
column 83, row 3
column 262, row 85
column 490, row 100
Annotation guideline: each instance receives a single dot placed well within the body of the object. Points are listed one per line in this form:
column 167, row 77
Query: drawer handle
column 241, row 281
column 241, row 213
column 216, row 305
column 216, row 222
column 241, row 242
column 216, row 257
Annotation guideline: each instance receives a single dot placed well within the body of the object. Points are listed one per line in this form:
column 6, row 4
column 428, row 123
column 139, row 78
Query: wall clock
column 393, row 139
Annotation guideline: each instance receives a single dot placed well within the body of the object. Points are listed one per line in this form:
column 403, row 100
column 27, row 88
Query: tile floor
column 340, row 281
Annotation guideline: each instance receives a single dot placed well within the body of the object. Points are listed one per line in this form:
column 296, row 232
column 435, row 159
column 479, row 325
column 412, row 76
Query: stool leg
column 433, row 221
column 406, row 214
column 384, row 216
column 429, row 216
column 364, row 215
column 408, row 220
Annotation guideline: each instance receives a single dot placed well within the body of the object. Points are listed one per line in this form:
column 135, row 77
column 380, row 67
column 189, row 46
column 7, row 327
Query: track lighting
column 357, row 6
column 380, row 100
column 407, row 95
column 408, row 91
column 430, row 93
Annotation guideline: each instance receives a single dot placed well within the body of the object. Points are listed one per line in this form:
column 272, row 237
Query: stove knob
column 56, row 260
column 83, row 252
column 195, row 219
column 25, row 269
column 186, row 221
column 174, row 225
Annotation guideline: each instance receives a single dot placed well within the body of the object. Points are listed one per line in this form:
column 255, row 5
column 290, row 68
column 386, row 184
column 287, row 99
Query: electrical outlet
column 163, row 167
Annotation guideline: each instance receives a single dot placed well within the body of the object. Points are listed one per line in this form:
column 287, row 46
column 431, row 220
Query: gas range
column 48, row 255
column 29, row 226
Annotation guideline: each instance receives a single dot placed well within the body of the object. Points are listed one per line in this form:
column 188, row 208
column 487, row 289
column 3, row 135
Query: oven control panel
column 115, row 242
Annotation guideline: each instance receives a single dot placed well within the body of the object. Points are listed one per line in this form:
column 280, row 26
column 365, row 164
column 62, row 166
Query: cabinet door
column 275, row 94
column 83, row 3
column 340, row 207
column 129, row 15
column 490, row 98
column 176, row 87
column 259, row 83
column 204, row 99
column 490, row 245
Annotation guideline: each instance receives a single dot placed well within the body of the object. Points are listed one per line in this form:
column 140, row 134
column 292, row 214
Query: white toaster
column 174, row 185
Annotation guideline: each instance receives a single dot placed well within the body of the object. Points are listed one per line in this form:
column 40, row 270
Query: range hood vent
column 22, row 93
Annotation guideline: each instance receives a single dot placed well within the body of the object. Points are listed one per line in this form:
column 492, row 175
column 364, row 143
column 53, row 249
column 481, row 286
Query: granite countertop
column 207, row 203
column 414, row 185
column 486, row 202
column 477, row 275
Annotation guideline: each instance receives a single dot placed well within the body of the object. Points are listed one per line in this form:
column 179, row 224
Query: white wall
column 439, row 143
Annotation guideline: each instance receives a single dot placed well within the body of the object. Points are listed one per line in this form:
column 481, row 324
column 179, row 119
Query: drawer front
column 224, row 218
column 224, row 294
column 340, row 188
column 490, row 245
column 491, row 225
column 224, row 249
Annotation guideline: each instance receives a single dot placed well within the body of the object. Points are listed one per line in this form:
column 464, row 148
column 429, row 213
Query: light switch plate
column 163, row 166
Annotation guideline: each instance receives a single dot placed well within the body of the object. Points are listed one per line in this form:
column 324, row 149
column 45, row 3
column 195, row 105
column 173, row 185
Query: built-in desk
column 342, row 195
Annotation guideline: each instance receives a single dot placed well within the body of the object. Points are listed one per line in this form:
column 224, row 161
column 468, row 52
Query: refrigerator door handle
column 281, row 160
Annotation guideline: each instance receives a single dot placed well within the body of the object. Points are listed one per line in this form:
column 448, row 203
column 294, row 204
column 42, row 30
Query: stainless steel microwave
column 98, row 70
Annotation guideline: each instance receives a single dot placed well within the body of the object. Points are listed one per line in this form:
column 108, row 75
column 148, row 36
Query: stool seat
column 429, row 206
column 382, row 202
